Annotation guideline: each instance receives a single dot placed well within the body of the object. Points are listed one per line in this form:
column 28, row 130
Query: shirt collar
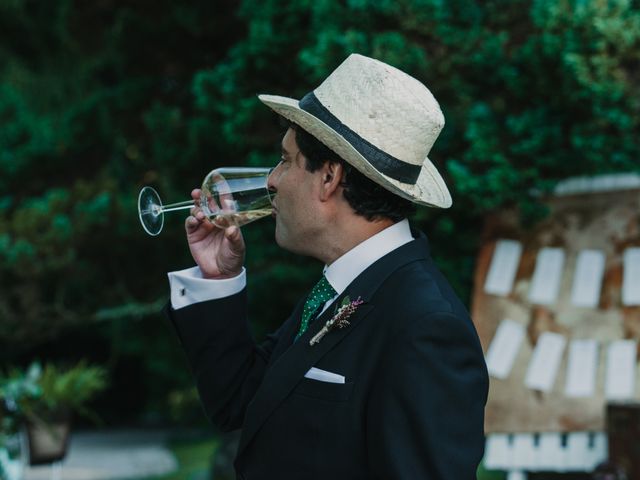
column 346, row 268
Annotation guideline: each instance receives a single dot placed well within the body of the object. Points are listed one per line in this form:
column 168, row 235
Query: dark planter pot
column 48, row 441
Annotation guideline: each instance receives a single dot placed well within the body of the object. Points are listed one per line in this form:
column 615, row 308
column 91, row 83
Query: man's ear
column 332, row 173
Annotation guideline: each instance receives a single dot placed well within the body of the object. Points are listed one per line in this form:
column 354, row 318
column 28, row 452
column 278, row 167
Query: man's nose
column 271, row 180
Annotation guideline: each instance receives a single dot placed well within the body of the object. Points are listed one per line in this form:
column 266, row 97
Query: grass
column 484, row 474
column 194, row 457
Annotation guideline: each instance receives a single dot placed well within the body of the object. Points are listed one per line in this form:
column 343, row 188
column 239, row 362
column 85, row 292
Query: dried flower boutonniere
column 339, row 319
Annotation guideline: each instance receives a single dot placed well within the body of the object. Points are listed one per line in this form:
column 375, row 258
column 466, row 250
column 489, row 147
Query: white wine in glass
column 230, row 196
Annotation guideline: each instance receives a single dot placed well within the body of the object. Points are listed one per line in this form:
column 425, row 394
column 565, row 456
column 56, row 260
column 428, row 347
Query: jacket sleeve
column 425, row 416
column 226, row 363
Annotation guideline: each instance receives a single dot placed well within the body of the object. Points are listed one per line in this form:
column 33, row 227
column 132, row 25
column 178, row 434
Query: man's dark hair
column 366, row 197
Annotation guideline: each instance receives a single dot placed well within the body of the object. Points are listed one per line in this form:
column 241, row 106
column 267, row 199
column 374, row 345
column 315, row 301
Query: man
column 378, row 373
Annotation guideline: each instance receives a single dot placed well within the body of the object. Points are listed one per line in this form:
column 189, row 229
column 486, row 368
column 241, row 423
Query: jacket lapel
column 291, row 365
column 288, row 369
column 287, row 333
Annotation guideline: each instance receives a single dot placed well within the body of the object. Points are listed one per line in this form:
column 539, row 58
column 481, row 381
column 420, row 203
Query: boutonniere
column 339, row 319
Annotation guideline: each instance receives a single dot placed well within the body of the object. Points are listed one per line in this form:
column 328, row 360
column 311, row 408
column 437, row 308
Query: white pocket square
column 323, row 376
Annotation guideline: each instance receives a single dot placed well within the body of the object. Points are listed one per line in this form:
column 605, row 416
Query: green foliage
column 100, row 98
column 184, row 404
column 484, row 474
column 14, row 388
column 68, row 388
column 40, row 394
column 533, row 92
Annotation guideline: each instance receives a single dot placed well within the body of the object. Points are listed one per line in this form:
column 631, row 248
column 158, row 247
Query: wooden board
column 605, row 221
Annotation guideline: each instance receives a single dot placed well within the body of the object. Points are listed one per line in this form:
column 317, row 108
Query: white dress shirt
column 188, row 286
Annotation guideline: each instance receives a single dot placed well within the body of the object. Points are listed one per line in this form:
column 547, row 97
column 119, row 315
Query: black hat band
column 392, row 167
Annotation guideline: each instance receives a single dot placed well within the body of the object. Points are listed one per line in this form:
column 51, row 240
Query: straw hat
column 378, row 119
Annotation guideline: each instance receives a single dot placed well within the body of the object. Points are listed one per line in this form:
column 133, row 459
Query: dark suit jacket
column 416, row 384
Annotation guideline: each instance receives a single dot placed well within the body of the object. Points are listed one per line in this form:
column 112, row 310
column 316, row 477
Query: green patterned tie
column 321, row 293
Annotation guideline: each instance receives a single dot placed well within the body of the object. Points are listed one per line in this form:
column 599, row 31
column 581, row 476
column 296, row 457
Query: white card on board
column 550, row 451
column 631, row 277
column 621, row 370
column 582, row 366
column 600, row 450
column 577, row 451
column 523, row 451
column 503, row 348
column 497, row 455
column 587, row 280
column 547, row 275
column 503, row 268
column 545, row 361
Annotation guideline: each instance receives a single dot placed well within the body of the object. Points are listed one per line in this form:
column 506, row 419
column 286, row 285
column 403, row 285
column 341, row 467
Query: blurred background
column 99, row 98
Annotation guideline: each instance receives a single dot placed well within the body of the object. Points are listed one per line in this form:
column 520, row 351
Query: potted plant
column 47, row 399
column 13, row 387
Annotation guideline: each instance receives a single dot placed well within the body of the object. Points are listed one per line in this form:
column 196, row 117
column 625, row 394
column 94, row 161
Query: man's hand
column 218, row 252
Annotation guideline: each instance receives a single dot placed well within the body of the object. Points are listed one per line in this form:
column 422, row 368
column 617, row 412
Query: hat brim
column 429, row 189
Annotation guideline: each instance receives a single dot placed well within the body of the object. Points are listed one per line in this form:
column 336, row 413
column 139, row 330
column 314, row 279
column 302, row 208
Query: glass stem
column 178, row 206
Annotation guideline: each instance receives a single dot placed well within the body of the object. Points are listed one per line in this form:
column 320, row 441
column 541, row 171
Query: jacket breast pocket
column 333, row 392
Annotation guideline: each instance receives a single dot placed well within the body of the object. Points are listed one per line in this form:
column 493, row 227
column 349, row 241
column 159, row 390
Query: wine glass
column 230, row 196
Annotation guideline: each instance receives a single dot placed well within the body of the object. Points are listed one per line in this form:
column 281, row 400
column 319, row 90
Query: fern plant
column 43, row 394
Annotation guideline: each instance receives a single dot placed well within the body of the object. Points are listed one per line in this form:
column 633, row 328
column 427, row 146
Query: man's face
column 294, row 190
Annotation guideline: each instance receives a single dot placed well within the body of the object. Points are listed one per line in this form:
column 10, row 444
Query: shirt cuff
column 188, row 287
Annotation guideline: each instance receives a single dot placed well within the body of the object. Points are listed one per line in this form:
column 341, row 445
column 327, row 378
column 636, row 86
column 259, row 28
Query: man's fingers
column 195, row 194
column 197, row 213
column 231, row 261
column 232, row 233
column 234, row 236
column 191, row 223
